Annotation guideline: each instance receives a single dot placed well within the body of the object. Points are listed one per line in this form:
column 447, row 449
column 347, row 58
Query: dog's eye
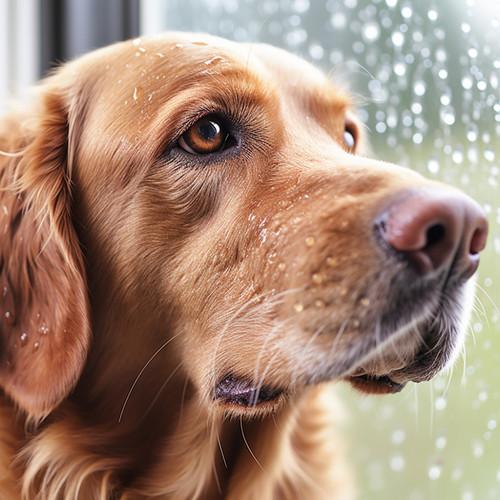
column 207, row 135
column 350, row 135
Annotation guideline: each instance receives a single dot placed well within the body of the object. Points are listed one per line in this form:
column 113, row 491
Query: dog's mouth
column 242, row 393
column 372, row 384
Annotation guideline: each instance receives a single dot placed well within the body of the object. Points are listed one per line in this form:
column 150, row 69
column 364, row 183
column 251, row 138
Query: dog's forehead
column 182, row 59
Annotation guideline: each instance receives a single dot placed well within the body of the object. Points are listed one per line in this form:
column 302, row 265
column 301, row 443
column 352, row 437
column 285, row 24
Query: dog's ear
column 44, row 312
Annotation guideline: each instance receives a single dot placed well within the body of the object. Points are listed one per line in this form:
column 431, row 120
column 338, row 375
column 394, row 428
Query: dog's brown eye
column 207, row 135
column 350, row 138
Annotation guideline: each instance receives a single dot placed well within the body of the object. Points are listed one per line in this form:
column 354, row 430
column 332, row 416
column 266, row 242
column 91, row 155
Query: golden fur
column 171, row 322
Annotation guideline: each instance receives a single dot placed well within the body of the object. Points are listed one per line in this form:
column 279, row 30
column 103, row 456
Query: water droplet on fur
column 320, row 304
column 281, row 266
column 310, row 241
column 36, row 345
column 365, row 301
column 43, row 329
column 10, row 318
column 6, row 212
column 332, row 261
column 317, row 278
column 24, row 339
column 299, row 307
column 215, row 58
column 137, row 93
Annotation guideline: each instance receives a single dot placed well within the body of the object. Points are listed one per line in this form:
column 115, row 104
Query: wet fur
column 141, row 277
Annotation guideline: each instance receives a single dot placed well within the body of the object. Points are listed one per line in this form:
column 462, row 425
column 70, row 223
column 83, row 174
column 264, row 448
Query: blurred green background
column 428, row 74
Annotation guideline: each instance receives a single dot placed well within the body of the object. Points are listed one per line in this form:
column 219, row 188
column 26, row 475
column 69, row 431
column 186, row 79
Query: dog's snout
column 433, row 228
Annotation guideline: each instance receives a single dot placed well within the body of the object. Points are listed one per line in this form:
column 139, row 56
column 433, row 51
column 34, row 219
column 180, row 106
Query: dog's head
column 222, row 197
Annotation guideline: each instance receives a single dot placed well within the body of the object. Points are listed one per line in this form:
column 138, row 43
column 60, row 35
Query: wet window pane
column 428, row 75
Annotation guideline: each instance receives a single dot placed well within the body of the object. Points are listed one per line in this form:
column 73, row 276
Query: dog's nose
column 433, row 228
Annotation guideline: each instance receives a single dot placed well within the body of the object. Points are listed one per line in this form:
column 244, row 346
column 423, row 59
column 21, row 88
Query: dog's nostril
column 432, row 228
column 435, row 234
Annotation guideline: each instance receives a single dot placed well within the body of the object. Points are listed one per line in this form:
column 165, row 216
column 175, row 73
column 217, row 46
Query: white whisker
column 140, row 374
column 248, row 446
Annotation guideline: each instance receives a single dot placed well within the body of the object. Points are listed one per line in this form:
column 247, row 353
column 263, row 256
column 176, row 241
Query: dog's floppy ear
column 44, row 313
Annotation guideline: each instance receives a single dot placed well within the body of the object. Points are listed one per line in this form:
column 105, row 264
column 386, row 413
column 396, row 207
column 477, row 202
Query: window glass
column 428, row 75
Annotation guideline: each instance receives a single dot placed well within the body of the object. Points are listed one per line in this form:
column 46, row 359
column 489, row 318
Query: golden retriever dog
column 195, row 244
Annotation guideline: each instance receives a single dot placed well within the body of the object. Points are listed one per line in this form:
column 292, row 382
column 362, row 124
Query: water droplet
column 343, row 291
column 299, row 307
column 457, row 156
column 472, row 132
column 317, row 52
column 419, row 88
column 435, row 472
column 398, row 39
column 407, row 12
column 433, row 165
column 489, row 154
column 365, row 301
column 332, row 261
column 24, row 339
column 310, row 241
column 398, row 436
column 371, row 32
column 320, row 304
column 6, row 212
column 43, row 329
column 137, row 93
column 440, row 404
column 477, row 449
column 338, row 21
column 432, row 15
column 215, row 58
column 281, row 266
column 36, row 345
column 397, row 463
column 10, row 318
column 440, row 442
column 448, row 116
column 317, row 278
column 296, row 37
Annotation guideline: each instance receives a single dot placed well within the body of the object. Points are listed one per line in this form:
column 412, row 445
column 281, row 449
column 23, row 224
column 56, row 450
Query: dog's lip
column 241, row 392
column 375, row 384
